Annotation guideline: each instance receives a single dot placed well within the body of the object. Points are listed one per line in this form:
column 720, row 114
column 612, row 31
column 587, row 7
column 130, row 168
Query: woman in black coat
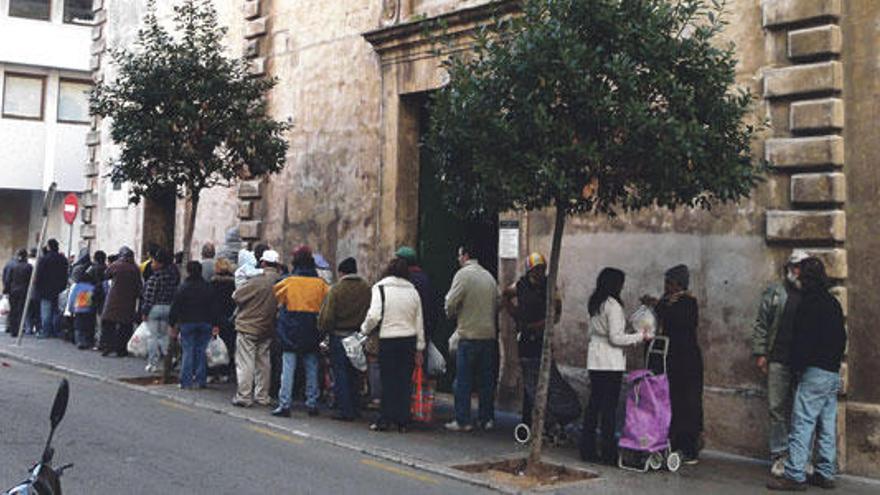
column 223, row 285
column 678, row 315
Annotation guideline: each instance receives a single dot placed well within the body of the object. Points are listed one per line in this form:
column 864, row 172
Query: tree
column 186, row 116
column 592, row 106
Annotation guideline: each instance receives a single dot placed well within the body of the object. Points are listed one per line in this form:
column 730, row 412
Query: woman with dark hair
column 191, row 314
column 396, row 310
column 678, row 316
column 816, row 352
column 606, row 363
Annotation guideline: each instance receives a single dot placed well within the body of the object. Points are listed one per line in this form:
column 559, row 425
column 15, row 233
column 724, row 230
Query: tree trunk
column 540, row 405
column 190, row 224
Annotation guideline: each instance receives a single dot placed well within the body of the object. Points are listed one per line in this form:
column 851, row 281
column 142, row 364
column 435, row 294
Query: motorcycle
column 44, row 479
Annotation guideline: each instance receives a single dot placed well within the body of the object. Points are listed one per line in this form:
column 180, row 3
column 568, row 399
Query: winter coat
column 223, row 287
column 678, row 316
column 608, row 338
column 81, row 265
column 7, row 270
column 400, row 315
column 769, row 318
column 473, row 302
column 97, row 271
column 51, row 275
column 300, row 297
column 17, row 278
column 430, row 303
column 256, row 304
column 193, row 302
column 125, row 288
column 819, row 333
column 345, row 306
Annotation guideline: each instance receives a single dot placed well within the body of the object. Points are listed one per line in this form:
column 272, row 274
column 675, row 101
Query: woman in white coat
column 396, row 313
column 606, row 363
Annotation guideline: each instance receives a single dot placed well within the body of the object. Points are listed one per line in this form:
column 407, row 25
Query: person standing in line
column 120, row 307
column 254, row 327
column 15, row 283
column 526, row 302
column 51, row 280
column 300, row 297
column 192, row 316
column 344, row 309
column 678, row 316
column 159, row 293
column 816, row 353
column 97, row 271
column 772, row 336
column 223, row 285
column 208, row 253
column 396, row 312
column 606, row 363
column 422, row 283
column 473, row 301
column 83, row 305
column 146, row 266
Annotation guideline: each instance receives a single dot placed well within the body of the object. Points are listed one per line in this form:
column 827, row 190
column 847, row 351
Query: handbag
column 422, row 399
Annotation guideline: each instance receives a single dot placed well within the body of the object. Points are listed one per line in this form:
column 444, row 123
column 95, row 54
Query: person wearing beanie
column 120, row 307
column 342, row 312
column 419, row 278
column 772, row 336
column 526, row 302
column 300, row 297
column 678, row 316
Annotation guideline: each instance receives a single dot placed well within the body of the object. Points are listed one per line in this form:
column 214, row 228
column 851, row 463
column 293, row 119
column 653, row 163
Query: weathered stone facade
column 351, row 75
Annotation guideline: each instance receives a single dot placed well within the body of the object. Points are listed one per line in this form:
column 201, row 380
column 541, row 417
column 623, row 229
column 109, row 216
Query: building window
column 73, row 101
column 30, row 9
column 23, row 96
column 78, row 11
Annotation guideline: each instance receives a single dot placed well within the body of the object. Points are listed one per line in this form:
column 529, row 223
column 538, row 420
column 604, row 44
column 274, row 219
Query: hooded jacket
column 401, row 313
column 247, row 268
column 300, row 297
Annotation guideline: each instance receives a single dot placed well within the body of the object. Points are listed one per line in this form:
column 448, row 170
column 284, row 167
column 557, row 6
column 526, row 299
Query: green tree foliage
column 596, row 106
column 186, row 116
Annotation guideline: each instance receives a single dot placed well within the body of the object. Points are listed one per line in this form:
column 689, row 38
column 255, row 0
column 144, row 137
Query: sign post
column 69, row 209
column 48, row 199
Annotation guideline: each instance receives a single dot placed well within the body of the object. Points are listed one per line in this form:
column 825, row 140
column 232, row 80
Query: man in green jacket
column 342, row 313
column 473, row 302
column 772, row 336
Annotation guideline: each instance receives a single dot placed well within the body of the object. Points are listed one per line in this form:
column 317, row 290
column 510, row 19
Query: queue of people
column 271, row 319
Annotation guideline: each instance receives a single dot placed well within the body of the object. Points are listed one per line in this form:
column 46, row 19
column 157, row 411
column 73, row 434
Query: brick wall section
column 810, row 79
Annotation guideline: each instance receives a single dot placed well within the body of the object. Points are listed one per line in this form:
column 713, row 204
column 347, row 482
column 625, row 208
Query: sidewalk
column 432, row 449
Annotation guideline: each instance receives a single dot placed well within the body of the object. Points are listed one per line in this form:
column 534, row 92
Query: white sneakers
column 454, row 426
column 150, row 368
column 777, row 469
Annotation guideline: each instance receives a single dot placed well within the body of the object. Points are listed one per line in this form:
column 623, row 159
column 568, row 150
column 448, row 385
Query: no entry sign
column 70, row 208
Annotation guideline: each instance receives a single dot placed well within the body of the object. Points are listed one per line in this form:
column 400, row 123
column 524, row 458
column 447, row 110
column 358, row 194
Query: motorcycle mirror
column 59, row 407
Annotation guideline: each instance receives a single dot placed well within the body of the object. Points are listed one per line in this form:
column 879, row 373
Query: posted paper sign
column 508, row 239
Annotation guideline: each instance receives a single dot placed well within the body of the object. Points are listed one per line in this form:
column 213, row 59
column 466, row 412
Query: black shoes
column 786, row 485
column 341, row 417
column 313, row 411
column 817, row 479
column 281, row 412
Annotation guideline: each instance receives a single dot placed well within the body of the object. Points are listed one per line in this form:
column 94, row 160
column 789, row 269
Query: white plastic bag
column 137, row 344
column 354, row 350
column 453, row 342
column 436, row 361
column 643, row 320
column 217, row 353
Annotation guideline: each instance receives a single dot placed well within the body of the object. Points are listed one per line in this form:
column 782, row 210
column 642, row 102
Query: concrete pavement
column 432, row 452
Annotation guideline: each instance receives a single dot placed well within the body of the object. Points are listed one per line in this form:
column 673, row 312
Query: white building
column 44, row 82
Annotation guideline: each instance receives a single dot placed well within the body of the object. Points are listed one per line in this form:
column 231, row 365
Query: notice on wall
column 508, row 239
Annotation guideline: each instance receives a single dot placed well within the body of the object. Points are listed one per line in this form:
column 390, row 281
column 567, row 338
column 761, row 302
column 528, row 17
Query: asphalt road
column 125, row 441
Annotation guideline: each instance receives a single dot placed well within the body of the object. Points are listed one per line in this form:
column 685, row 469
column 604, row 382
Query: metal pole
column 47, row 205
column 70, row 250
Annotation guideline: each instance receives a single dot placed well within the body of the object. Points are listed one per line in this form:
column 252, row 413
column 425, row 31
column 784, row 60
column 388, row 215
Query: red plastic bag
column 422, row 400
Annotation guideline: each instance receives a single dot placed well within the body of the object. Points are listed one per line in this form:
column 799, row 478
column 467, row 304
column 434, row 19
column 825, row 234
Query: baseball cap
column 270, row 256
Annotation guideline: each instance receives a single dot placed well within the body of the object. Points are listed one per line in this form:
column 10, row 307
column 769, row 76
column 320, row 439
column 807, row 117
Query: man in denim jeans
column 473, row 301
column 772, row 335
column 51, row 280
column 815, row 357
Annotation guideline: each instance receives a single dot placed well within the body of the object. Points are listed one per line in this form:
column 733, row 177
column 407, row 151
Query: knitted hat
column 348, row 265
column 407, row 253
column 797, row 256
column 680, row 275
column 535, row 259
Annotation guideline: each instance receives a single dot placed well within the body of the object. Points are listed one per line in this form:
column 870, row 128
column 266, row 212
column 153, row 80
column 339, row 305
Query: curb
column 379, row 453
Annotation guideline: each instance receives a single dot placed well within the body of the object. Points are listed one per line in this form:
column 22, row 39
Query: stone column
column 807, row 149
